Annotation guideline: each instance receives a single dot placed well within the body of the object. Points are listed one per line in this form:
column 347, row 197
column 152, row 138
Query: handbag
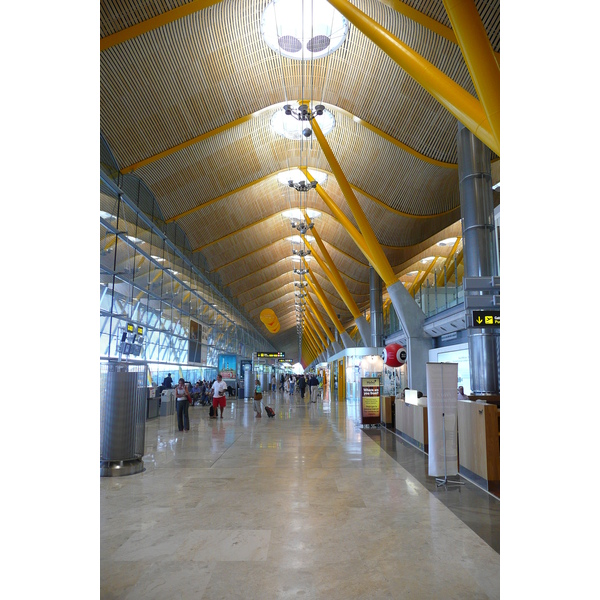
column 190, row 399
column 258, row 396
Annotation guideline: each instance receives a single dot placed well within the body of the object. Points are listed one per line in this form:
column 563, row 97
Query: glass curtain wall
column 149, row 283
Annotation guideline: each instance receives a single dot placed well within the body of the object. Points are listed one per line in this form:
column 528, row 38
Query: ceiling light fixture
column 293, row 120
column 297, row 175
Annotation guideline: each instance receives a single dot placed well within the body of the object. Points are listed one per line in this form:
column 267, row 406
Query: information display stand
column 442, row 421
column 370, row 400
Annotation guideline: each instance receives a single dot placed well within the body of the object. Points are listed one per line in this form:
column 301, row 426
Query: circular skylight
column 291, row 128
column 315, row 34
column 297, row 239
column 447, row 242
column 297, row 215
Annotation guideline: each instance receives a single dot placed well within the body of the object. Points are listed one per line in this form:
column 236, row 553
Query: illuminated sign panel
column 486, row 318
column 270, row 354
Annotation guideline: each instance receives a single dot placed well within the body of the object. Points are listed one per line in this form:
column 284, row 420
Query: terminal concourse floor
column 305, row 505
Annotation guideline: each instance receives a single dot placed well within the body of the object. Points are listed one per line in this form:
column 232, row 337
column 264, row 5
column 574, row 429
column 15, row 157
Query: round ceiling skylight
column 297, row 215
column 315, row 34
column 291, row 128
column 296, row 239
column 447, row 242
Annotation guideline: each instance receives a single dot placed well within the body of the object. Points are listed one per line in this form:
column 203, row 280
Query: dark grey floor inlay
column 473, row 506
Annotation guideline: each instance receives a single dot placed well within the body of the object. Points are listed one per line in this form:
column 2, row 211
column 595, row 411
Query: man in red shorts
column 218, row 390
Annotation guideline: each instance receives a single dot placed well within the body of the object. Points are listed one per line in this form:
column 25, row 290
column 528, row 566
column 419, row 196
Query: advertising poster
column 228, row 366
column 370, row 400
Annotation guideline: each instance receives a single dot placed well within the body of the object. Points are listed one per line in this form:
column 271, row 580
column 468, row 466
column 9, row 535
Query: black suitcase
column 270, row 412
column 211, row 412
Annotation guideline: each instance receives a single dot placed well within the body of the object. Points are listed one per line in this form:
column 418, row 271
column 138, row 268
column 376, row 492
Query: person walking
column 302, row 386
column 218, row 390
column 292, row 384
column 273, row 383
column 281, row 382
column 183, row 418
column 257, row 399
column 314, row 388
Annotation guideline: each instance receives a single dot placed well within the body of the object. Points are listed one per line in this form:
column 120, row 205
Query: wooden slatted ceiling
column 254, row 204
column 267, row 231
column 116, row 15
column 209, row 69
column 212, row 67
column 181, row 183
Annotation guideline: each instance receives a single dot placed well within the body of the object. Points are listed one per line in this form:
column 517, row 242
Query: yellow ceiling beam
column 479, row 58
column 244, row 119
column 333, row 274
column 462, row 105
column 304, row 170
column 419, row 279
column 197, row 139
column 240, row 230
column 376, row 256
column 320, row 294
column 425, row 21
column 318, row 316
column 154, row 23
column 310, row 337
column 315, row 327
column 449, row 263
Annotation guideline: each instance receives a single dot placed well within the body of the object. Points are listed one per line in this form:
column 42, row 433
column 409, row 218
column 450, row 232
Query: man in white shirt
column 219, row 387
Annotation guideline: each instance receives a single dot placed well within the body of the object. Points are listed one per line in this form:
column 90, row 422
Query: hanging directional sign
column 270, row 354
column 486, row 318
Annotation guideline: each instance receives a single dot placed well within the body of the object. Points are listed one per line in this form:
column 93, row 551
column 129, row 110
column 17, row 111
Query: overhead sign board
column 486, row 318
column 270, row 354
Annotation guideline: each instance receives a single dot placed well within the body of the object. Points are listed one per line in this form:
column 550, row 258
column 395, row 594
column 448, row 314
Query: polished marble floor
column 305, row 505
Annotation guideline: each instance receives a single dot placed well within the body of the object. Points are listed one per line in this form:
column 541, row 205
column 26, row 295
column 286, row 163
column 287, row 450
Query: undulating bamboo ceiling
column 187, row 106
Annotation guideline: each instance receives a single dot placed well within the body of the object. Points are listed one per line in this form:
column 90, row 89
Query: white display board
column 442, row 406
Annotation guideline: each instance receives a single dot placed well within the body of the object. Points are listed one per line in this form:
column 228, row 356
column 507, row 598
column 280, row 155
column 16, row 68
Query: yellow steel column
column 308, row 339
column 419, row 279
column 332, row 273
column 467, row 109
column 449, row 264
column 316, row 288
column 380, row 262
column 479, row 57
column 316, row 329
column 341, row 217
column 319, row 318
column 308, row 329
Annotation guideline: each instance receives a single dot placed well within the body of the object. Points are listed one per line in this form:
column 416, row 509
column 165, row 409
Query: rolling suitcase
column 270, row 412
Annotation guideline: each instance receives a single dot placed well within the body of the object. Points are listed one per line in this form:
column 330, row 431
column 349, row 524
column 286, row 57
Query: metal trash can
column 122, row 418
column 167, row 403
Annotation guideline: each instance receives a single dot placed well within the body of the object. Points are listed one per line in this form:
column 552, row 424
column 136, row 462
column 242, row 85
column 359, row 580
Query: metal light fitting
column 303, row 186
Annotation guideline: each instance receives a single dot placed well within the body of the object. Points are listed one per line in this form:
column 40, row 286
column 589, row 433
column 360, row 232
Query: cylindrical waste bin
column 249, row 378
column 122, row 418
column 167, row 403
